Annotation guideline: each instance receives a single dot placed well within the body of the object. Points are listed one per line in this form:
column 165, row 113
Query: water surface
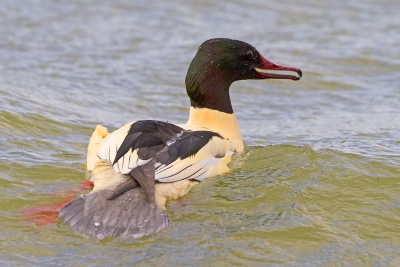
column 317, row 184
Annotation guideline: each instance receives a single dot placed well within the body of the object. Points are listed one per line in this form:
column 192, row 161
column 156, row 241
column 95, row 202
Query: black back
column 149, row 136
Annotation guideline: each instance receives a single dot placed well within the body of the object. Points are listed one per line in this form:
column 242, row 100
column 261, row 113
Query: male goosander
column 138, row 167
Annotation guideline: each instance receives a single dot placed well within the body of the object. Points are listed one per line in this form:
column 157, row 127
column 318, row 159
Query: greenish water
column 318, row 182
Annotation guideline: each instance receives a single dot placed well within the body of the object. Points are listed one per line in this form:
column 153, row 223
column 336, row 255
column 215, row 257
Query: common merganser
column 138, row 167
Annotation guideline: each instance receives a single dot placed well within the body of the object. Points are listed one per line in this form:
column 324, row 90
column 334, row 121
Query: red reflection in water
column 47, row 214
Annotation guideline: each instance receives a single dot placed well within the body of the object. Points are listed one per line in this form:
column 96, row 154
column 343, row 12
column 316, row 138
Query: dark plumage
column 149, row 137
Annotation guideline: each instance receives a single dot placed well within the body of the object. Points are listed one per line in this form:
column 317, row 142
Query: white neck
column 220, row 122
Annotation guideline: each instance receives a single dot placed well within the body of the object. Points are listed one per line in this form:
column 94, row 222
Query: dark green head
column 218, row 63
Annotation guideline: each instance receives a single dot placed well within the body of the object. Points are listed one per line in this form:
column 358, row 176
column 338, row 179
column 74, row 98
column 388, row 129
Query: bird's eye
column 249, row 54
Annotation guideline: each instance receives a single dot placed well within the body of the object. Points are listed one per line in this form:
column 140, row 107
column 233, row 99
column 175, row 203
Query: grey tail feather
column 128, row 215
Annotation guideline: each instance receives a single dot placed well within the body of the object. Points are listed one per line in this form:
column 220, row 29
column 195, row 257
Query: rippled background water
column 318, row 183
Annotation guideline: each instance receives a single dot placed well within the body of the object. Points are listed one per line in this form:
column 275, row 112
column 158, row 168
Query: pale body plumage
column 103, row 146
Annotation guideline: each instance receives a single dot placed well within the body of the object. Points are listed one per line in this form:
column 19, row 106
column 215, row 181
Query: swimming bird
column 138, row 167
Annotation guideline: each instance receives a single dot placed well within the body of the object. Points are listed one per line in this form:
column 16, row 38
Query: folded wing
column 160, row 151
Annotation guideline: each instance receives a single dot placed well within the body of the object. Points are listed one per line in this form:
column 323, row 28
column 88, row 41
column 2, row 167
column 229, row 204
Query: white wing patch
column 110, row 147
column 210, row 160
